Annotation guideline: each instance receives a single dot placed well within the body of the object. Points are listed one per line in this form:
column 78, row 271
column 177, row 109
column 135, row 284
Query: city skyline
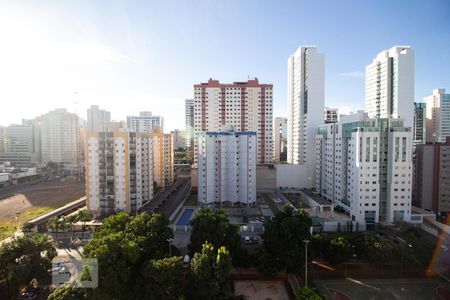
column 128, row 53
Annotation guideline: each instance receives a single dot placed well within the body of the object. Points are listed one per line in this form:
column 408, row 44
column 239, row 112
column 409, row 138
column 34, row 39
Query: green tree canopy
column 210, row 273
column 283, row 247
column 307, row 293
column 68, row 292
column 124, row 245
column 23, row 259
column 213, row 227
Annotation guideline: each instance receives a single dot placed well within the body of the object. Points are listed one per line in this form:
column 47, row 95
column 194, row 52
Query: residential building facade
column 279, row 139
column 163, row 158
column 306, row 92
column 119, row 171
column 59, row 138
column 389, row 85
column 420, row 123
column 245, row 105
column 189, row 121
column 18, row 147
column 330, row 115
column 432, row 177
column 145, row 122
column 365, row 167
column 438, row 116
column 227, row 166
column 98, row 119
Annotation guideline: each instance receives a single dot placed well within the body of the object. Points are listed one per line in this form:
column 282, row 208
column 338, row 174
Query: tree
column 123, row 245
column 161, row 279
column 71, row 219
column 307, row 293
column 283, row 247
column 24, row 259
column 338, row 250
column 53, row 224
column 84, row 216
column 68, row 292
column 210, row 273
column 213, row 227
column 26, row 227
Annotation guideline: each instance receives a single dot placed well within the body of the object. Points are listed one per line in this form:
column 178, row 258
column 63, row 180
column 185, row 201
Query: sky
column 131, row 56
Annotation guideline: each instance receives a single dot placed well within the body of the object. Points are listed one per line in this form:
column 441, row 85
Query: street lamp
column 403, row 250
column 306, row 241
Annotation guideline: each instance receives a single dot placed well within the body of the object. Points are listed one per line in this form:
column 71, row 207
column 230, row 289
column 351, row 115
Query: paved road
column 168, row 200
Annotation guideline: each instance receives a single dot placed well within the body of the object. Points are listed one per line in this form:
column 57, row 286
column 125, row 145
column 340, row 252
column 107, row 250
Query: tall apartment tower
column 98, row 119
column 247, row 106
column 420, row 123
column 365, row 167
column 306, row 89
column 163, row 158
column 389, row 91
column 330, row 115
column 279, row 139
column 145, row 122
column 18, row 147
column 2, row 139
column 227, row 166
column 189, row 120
column 59, row 137
column 438, row 116
column 119, row 171
column 432, row 177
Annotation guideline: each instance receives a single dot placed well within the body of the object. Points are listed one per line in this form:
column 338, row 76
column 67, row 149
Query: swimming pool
column 185, row 217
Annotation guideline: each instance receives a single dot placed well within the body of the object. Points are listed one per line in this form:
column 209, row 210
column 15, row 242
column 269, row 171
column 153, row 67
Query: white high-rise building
column 59, row 138
column 119, row 171
column 145, row 122
column 390, row 85
column 365, row 166
column 279, row 139
column 18, row 147
column 227, row 166
column 306, row 92
column 189, row 119
column 98, row 119
column 245, row 105
column 163, row 158
column 330, row 115
column 438, row 116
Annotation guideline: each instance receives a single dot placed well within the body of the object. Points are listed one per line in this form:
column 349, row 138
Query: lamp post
column 403, row 250
column 306, row 241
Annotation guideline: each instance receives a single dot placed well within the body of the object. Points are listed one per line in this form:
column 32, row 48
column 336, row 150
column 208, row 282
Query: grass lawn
column 191, row 200
column 7, row 228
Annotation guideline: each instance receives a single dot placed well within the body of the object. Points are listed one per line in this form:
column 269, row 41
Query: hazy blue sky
column 128, row 56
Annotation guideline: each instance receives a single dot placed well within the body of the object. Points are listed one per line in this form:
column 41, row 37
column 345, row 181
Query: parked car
column 247, row 239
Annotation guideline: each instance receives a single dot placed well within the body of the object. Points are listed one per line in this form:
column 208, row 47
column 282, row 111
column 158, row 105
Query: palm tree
column 84, row 216
column 71, row 219
column 53, row 224
column 64, row 225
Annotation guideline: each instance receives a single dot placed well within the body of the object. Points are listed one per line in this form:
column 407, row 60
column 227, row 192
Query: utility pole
column 306, row 241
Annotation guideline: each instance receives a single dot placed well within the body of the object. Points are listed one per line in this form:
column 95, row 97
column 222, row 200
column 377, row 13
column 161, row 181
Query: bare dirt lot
column 36, row 200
